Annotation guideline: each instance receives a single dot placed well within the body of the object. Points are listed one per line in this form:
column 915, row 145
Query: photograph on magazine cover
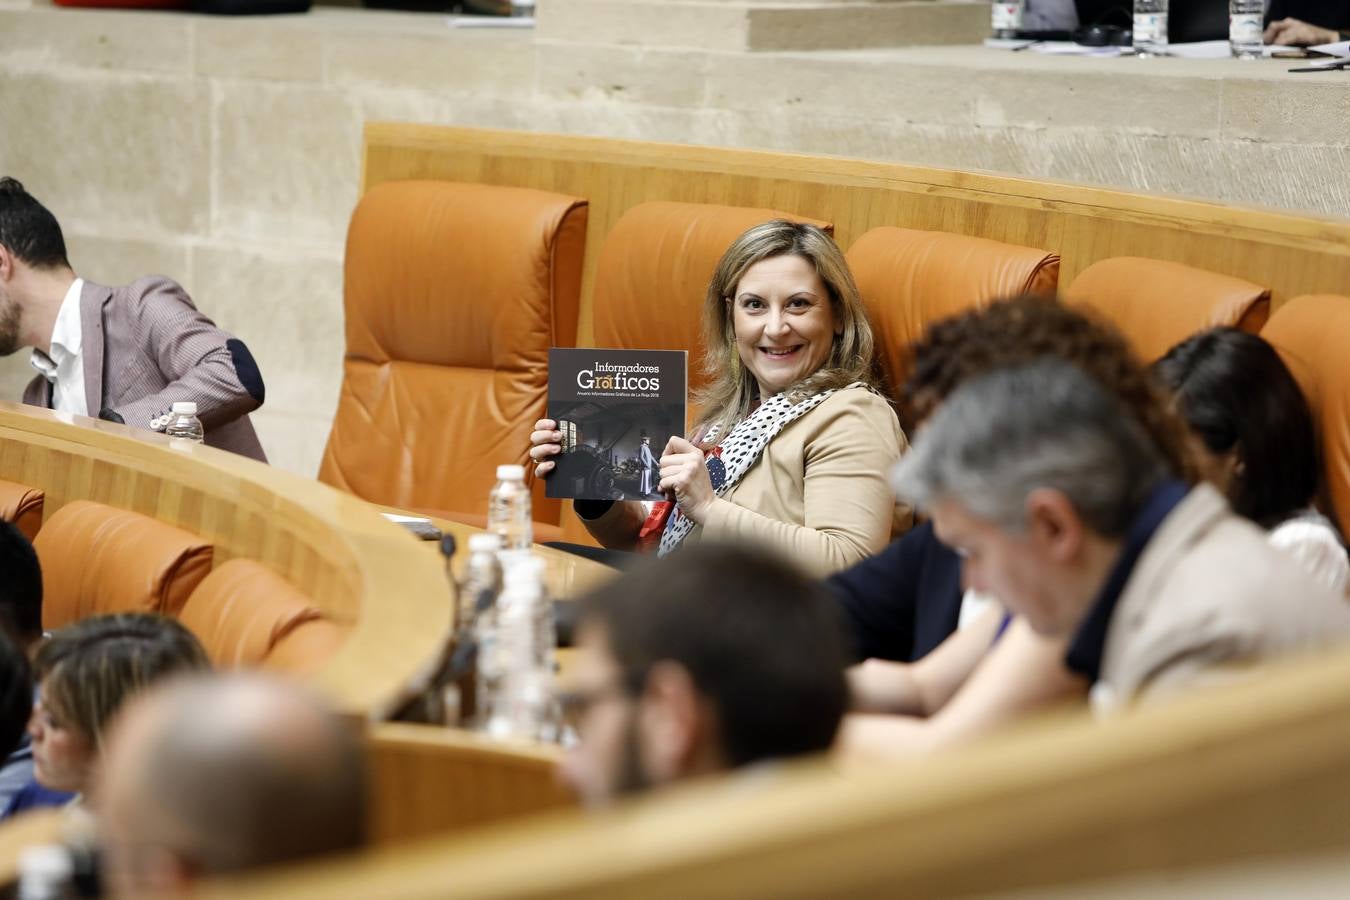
column 616, row 410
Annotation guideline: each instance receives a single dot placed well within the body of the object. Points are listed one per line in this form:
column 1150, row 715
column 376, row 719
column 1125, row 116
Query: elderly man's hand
column 1297, row 33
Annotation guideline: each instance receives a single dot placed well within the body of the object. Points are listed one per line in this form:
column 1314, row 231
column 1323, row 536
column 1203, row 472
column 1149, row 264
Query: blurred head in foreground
column 712, row 659
column 20, row 589
column 208, row 776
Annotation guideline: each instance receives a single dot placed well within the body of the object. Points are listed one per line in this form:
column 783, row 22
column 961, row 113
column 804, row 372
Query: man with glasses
column 712, row 659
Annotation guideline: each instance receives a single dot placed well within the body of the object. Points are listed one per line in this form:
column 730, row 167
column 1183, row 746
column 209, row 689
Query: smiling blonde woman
column 794, row 441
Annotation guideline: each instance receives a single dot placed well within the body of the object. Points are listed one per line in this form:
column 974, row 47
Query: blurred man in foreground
column 209, row 776
column 711, row 659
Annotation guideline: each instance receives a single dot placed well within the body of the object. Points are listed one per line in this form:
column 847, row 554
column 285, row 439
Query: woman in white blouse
column 1252, row 420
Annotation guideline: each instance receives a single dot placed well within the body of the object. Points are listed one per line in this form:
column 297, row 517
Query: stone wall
column 226, row 152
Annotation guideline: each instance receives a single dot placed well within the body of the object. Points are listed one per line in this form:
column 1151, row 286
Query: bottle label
column 1150, row 29
column 1245, row 29
column 1007, row 16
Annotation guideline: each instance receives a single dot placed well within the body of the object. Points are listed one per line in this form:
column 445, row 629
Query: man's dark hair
column 1236, row 394
column 28, row 229
column 20, row 588
column 16, row 695
column 760, row 641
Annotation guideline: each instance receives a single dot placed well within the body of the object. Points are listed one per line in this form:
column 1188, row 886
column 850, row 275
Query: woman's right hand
column 545, row 443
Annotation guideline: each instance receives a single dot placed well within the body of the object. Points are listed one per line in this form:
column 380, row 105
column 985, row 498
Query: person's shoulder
column 856, row 401
column 1232, row 571
column 151, row 289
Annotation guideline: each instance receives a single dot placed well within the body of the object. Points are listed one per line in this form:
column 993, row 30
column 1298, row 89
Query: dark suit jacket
column 904, row 601
column 145, row 347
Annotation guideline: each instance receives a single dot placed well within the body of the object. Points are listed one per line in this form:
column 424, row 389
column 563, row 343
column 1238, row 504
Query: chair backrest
column 453, row 295
column 1312, row 334
column 910, row 279
column 22, row 505
column 306, row 647
column 242, row 610
column 97, row 559
column 653, row 273
column 1158, row 304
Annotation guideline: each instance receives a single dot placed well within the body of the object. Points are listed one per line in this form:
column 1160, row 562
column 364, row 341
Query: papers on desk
column 1055, row 48
column 419, row 527
column 490, row 21
column 1069, row 48
column 1340, row 50
column 1197, row 50
column 1219, row 50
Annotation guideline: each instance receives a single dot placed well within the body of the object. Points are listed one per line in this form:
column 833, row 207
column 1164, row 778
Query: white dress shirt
column 1312, row 540
column 64, row 366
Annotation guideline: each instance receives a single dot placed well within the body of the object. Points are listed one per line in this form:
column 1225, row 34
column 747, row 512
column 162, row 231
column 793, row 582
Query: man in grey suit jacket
column 125, row 354
column 1064, row 509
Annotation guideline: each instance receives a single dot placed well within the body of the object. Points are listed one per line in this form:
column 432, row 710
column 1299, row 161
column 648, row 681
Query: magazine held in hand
column 616, row 410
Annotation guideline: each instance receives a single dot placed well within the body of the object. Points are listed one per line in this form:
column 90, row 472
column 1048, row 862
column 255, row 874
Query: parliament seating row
column 455, row 292
column 268, row 569
column 244, row 614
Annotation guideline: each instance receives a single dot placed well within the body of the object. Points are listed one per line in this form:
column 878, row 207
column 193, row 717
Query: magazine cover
column 616, row 409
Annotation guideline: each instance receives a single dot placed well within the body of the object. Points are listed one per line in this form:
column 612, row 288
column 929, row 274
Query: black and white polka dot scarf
column 741, row 449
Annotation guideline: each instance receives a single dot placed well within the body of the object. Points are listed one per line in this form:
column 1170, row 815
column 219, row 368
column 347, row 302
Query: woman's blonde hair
column 731, row 391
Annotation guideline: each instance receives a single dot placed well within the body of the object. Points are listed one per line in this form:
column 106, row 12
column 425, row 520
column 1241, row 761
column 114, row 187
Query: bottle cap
column 184, row 408
column 485, row 542
column 510, row 473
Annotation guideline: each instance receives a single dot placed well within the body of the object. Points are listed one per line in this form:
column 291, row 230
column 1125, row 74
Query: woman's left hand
column 684, row 472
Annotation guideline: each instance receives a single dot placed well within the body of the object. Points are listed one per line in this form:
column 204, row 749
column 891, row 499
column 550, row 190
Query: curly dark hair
column 1023, row 329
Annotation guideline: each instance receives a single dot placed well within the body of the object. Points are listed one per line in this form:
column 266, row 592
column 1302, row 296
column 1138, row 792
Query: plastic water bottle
column 1150, row 27
column 509, row 509
column 522, row 706
column 1245, row 34
column 1005, row 19
column 46, row 872
column 482, row 578
column 183, row 423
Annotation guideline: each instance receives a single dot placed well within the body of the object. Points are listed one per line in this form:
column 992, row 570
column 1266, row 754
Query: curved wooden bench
column 1244, row 772
column 366, row 575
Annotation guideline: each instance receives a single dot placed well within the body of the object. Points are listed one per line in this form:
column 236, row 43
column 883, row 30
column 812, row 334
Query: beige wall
column 225, row 152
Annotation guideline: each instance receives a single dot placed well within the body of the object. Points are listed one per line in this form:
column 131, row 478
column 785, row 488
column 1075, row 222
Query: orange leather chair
column 1158, row 304
column 97, row 559
column 1311, row 334
column 910, row 279
column 651, row 280
column 453, row 295
column 22, row 505
column 242, row 610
